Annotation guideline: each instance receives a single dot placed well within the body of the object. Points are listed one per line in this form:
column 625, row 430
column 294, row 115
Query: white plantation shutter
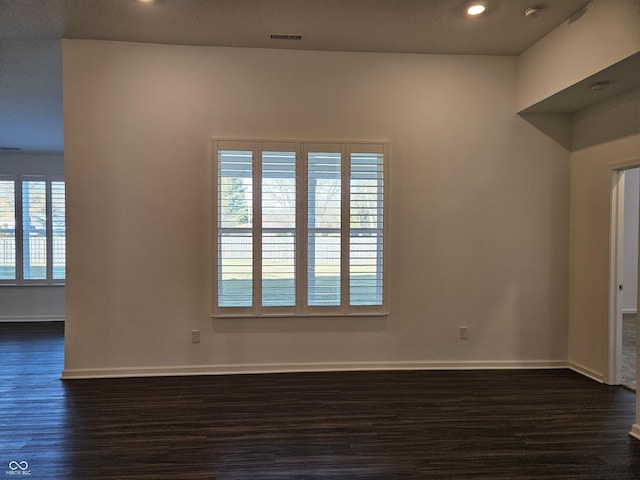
column 235, row 222
column 366, row 212
column 34, row 230
column 7, row 230
column 279, row 229
column 324, row 197
column 58, row 230
column 299, row 228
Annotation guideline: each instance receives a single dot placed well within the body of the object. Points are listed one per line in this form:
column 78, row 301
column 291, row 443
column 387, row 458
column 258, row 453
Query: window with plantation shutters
column 298, row 228
column 32, row 230
column 7, row 230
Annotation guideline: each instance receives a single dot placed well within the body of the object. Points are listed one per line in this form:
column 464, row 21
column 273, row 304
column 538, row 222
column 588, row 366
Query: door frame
column 616, row 237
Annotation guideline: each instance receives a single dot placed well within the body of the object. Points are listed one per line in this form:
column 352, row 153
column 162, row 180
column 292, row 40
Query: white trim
column 587, row 372
column 256, row 226
column 635, row 431
column 231, row 369
column 625, row 164
column 31, row 318
column 626, row 311
column 345, row 227
column 616, row 218
column 614, row 328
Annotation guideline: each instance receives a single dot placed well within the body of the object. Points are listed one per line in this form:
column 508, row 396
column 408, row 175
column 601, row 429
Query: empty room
column 292, row 239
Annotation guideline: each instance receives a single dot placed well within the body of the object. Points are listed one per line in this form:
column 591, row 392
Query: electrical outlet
column 195, row 336
column 463, row 333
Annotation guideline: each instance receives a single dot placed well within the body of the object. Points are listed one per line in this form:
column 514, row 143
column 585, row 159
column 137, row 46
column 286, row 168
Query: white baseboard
column 120, row 372
column 629, row 310
column 31, row 318
column 635, row 431
column 587, row 372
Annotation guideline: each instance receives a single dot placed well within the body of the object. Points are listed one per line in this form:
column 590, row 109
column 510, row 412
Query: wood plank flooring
column 545, row 424
column 628, row 366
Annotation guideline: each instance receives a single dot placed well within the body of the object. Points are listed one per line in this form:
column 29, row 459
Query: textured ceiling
column 30, row 33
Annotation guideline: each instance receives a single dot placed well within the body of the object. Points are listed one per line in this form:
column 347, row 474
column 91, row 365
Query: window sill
column 299, row 315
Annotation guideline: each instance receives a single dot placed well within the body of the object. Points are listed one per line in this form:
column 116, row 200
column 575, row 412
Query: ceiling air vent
column 286, row 36
column 9, row 149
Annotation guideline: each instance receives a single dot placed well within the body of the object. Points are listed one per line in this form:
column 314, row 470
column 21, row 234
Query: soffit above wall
column 621, row 77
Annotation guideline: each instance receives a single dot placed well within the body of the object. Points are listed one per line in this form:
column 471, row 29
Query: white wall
column 604, row 33
column 630, row 240
column 478, row 208
column 31, row 303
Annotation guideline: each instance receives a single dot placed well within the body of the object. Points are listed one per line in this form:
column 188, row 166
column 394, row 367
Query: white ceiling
column 30, row 33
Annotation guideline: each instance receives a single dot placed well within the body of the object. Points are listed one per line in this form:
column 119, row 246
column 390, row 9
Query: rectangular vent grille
column 286, row 36
column 9, row 149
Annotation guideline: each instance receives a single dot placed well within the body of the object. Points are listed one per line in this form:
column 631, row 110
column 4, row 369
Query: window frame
column 302, row 149
column 18, row 184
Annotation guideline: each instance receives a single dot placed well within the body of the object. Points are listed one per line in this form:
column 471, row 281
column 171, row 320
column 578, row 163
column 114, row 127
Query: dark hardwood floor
column 545, row 424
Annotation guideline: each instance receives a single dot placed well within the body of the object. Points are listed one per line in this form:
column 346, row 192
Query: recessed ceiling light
column 476, row 8
column 146, row 1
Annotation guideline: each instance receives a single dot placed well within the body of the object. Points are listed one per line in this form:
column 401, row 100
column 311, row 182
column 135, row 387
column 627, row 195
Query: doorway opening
column 625, row 215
